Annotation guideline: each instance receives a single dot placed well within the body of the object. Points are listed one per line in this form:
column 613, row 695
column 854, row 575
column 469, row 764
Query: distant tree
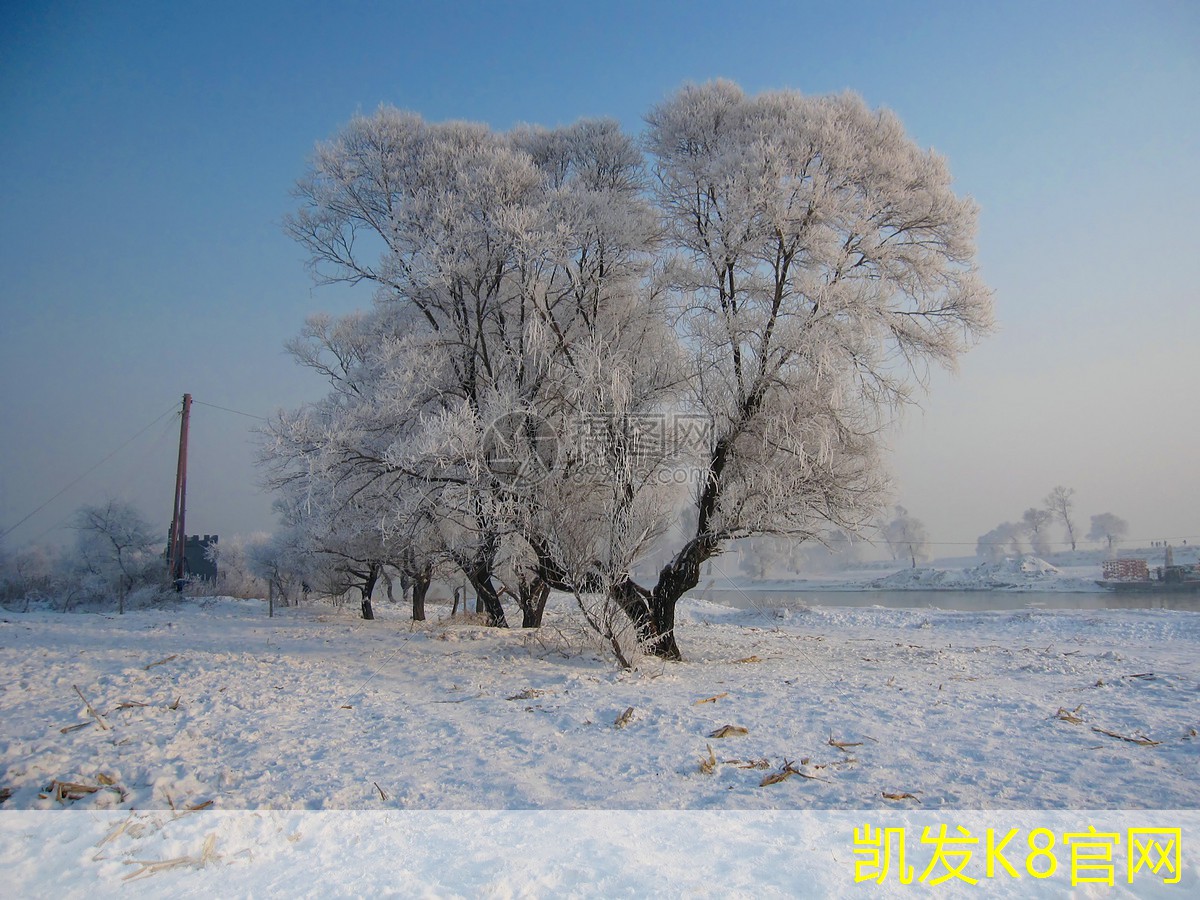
column 37, row 572
column 759, row 557
column 117, row 549
column 234, row 575
column 906, row 536
column 282, row 562
column 837, row 550
column 1035, row 522
column 1001, row 541
column 1060, row 503
column 1107, row 527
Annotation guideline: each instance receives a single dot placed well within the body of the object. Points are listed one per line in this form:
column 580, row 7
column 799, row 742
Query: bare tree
column 906, row 536
column 117, row 548
column 1060, row 503
column 1109, row 528
column 1035, row 522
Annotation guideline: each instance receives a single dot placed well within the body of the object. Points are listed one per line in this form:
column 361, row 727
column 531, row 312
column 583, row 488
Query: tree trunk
column 532, row 597
column 663, row 599
column 367, row 589
column 683, row 572
column 420, row 585
column 653, row 612
column 485, row 591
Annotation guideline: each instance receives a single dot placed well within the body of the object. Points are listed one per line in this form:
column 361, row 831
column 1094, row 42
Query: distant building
column 196, row 557
column 196, row 563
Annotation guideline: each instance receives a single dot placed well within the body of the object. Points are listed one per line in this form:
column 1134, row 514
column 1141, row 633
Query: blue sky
column 148, row 150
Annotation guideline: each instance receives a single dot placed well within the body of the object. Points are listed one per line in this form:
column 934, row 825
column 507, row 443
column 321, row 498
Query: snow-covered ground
column 869, row 714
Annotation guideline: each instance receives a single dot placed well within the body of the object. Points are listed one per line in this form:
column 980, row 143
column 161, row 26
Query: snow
column 1024, row 573
column 474, row 760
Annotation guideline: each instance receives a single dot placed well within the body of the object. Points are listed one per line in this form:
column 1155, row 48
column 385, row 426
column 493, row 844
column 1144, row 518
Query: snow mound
column 1025, row 566
column 1019, row 573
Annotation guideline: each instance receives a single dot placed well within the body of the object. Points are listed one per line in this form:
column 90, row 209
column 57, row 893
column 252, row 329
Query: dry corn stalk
column 786, row 771
column 749, row 763
column 889, row 795
column 1072, row 716
column 843, row 745
column 709, row 765
column 529, row 694
column 151, row 867
column 729, row 731
column 712, row 699
column 1138, row 739
column 92, row 712
column 624, row 718
column 71, row 790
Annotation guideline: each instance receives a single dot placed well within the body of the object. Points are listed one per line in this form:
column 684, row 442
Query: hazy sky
column 147, row 151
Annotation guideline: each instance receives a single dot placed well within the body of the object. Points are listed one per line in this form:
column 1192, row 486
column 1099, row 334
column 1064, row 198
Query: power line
column 157, row 419
column 236, row 412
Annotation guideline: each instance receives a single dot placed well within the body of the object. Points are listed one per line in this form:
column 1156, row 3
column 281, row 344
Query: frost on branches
column 778, row 276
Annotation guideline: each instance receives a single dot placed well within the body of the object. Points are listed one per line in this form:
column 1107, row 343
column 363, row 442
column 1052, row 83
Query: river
column 967, row 601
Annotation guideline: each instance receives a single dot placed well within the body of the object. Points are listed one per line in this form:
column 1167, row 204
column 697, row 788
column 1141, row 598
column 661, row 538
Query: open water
column 969, row 601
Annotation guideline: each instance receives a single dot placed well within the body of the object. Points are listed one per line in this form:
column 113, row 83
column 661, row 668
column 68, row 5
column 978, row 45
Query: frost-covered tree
column 501, row 263
column 116, row 549
column 819, row 261
column 906, row 536
column 759, row 557
column 1060, row 503
column 447, row 221
column 810, row 261
column 1035, row 522
column 283, row 563
column 235, row 577
column 29, row 573
column 1002, row 541
column 1109, row 528
column 837, row 550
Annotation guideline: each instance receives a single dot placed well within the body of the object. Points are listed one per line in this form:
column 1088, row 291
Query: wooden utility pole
column 177, row 556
